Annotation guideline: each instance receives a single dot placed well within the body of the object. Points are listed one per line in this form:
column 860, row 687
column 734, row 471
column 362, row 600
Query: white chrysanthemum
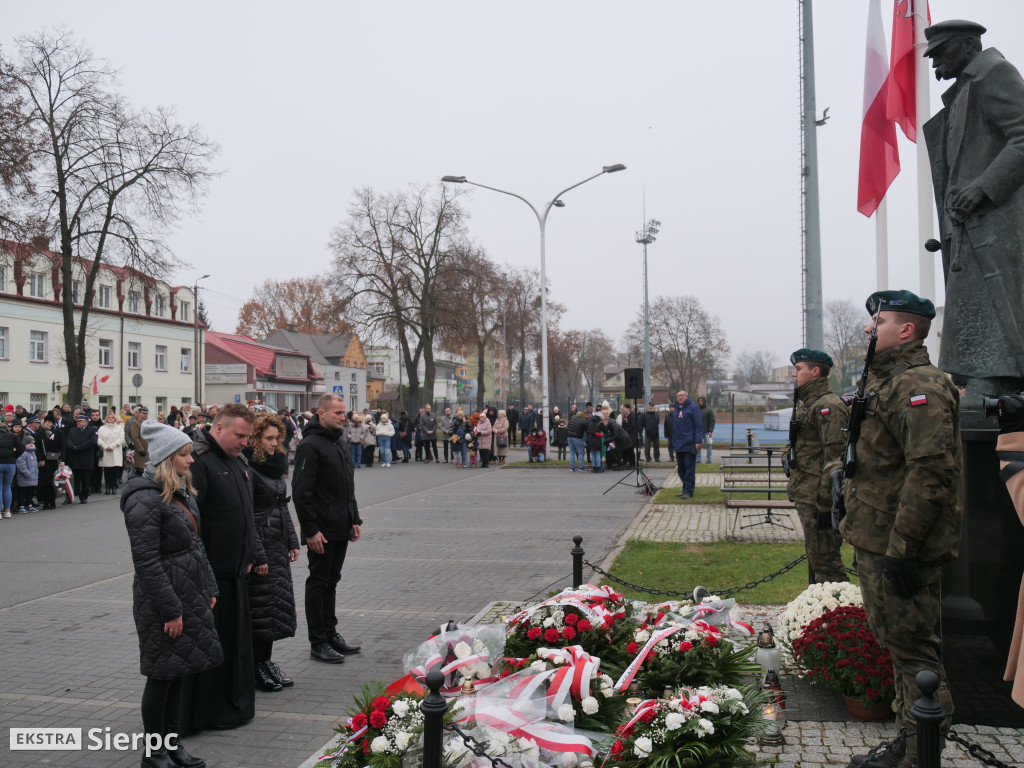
column 400, row 707
column 539, row 665
column 731, row 693
column 529, row 749
column 549, row 622
column 462, row 650
column 643, row 747
column 590, row 705
column 606, row 682
column 380, row 744
column 402, row 740
column 478, row 646
column 566, row 713
column 559, row 661
column 709, row 706
column 642, row 636
column 663, row 643
column 499, row 739
column 674, row 721
column 705, row 726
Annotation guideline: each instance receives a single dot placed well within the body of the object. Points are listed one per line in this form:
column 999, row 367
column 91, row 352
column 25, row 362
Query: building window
column 4, row 351
column 377, row 367
column 160, row 306
column 35, row 285
column 36, row 401
column 133, row 302
column 134, row 354
column 337, row 375
column 105, row 296
column 4, row 398
column 134, row 400
column 106, row 353
column 186, row 311
column 76, row 292
column 186, row 360
column 353, row 377
column 161, row 405
column 37, row 346
column 3, row 278
column 161, row 358
column 186, row 401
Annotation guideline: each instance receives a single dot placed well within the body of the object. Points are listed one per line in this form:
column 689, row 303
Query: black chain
column 976, row 750
column 719, row 592
column 896, row 744
column 476, row 747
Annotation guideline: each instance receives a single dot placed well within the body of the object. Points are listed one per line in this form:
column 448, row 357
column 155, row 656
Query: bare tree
column 844, row 336
column 754, row 367
column 595, row 351
column 688, row 345
column 394, row 265
column 120, row 177
column 303, row 304
column 17, row 151
column 565, row 356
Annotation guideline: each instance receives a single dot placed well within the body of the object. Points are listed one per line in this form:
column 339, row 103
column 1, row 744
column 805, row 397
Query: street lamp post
column 195, row 325
column 646, row 237
column 542, row 218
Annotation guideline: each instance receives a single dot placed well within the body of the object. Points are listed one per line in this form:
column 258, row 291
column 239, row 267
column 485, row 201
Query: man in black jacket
column 323, row 491
column 652, row 434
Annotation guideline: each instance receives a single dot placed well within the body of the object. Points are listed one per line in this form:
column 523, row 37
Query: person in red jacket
column 537, row 442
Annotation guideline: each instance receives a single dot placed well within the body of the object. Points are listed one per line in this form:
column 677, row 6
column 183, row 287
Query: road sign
column 137, row 380
column 238, row 398
column 339, row 389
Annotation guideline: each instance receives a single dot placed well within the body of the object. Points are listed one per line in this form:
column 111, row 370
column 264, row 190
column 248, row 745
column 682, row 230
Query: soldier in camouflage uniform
column 904, row 505
column 821, row 417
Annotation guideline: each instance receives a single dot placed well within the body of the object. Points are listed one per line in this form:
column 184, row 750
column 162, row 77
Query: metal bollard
column 577, row 561
column 929, row 714
column 433, row 708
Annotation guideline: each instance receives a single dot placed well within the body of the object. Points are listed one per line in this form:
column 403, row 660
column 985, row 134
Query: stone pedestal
column 979, row 591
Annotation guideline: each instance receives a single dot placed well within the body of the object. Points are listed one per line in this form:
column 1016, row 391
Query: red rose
column 685, row 646
column 571, row 619
column 617, row 747
column 551, row 635
column 632, row 648
column 533, row 633
column 358, row 721
column 378, row 719
column 381, row 702
column 584, row 626
column 568, row 633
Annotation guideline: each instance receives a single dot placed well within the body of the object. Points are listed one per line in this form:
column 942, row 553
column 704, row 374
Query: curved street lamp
column 542, row 218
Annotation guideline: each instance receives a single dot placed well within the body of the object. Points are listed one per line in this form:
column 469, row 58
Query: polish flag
column 95, row 386
column 879, row 157
column 901, row 104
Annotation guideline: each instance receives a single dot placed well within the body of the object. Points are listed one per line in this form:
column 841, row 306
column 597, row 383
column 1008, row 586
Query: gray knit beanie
column 163, row 440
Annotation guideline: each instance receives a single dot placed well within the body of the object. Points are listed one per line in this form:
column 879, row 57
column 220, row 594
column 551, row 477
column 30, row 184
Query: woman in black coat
column 174, row 590
column 271, row 597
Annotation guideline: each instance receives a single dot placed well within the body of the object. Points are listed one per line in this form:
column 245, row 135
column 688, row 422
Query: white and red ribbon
column 656, row 637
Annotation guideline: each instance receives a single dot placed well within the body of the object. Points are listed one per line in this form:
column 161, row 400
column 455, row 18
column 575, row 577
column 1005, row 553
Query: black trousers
column 161, row 701
column 321, row 591
column 430, row 448
column 513, row 432
column 82, row 482
column 111, row 477
column 47, row 493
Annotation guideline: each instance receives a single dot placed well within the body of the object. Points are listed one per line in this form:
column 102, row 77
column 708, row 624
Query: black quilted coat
column 271, row 597
column 172, row 578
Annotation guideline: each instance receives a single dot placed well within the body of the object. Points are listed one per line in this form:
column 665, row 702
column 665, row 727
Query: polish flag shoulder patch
column 826, row 411
column 919, row 399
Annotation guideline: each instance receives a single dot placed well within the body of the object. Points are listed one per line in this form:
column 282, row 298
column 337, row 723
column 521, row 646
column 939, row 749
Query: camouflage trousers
column 909, row 628
column 822, row 547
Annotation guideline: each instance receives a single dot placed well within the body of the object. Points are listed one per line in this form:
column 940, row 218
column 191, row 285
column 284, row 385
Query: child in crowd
column 536, row 441
column 560, row 439
column 28, row 476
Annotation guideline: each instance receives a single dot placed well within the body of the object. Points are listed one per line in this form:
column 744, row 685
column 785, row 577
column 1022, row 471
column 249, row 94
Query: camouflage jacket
column 906, row 499
column 821, row 417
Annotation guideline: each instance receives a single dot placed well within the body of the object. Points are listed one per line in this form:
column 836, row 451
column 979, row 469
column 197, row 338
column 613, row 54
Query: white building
column 137, row 326
column 450, row 370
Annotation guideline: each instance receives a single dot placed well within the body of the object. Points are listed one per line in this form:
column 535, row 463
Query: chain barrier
column 476, row 747
column 976, row 750
column 880, row 749
column 720, row 592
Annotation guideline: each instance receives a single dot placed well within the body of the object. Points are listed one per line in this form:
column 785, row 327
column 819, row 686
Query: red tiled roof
column 256, row 354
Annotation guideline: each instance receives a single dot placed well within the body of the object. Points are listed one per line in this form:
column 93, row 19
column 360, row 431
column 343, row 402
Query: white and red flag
column 879, row 157
column 901, row 104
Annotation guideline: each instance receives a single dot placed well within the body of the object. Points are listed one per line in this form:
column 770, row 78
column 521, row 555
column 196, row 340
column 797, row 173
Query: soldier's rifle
column 790, row 460
column 860, row 403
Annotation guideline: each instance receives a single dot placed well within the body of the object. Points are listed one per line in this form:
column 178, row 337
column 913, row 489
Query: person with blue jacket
column 687, row 438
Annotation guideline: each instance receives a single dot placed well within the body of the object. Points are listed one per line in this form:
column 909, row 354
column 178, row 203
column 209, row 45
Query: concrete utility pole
column 813, row 321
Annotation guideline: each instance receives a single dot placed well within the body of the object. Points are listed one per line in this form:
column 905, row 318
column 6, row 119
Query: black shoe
column 892, row 756
column 338, row 643
column 67, row 502
column 278, row 675
column 83, row 500
column 324, row 652
column 159, row 759
column 405, row 460
column 264, row 681
column 179, row 755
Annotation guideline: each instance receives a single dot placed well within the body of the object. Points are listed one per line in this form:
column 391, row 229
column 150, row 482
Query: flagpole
column 882, row 244
column 925, row 207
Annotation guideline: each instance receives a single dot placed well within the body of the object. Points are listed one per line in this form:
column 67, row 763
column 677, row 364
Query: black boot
column 278, row 675
column 158, row 759
column 180, row 756
column 264, row 681
column 885, row 755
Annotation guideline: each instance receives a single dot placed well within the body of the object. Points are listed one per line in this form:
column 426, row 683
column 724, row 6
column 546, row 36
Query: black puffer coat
column 271, row 597
column 172, row 578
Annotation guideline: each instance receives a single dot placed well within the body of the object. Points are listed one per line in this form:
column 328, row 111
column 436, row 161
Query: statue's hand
column 967, row 200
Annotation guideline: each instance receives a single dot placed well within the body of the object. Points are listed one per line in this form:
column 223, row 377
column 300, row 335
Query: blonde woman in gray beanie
column 174, row 590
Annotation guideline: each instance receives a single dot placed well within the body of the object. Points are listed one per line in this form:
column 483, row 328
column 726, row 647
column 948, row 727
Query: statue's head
column 951, row 46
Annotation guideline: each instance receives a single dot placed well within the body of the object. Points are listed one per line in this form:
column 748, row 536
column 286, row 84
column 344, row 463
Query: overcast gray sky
column 311, row 100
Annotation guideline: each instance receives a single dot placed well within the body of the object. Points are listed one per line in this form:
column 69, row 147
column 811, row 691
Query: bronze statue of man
column 976, row 150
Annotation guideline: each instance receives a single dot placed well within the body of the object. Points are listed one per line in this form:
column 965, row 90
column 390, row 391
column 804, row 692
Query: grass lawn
column 709, row 494
column 715, row 565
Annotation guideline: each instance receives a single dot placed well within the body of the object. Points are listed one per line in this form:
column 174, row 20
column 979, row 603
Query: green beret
column 811, row 356
column 900, row 301
column 943, row 31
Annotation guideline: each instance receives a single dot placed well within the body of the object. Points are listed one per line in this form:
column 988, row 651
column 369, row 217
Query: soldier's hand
column 903, row 575
column 824, row 519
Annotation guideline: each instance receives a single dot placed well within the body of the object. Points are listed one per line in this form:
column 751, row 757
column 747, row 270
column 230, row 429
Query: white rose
column 462, row 650
column 590, row 705
column 643, row 746
column 380, row 744
column 401, row 707
column 673, row 721
column 566, row 713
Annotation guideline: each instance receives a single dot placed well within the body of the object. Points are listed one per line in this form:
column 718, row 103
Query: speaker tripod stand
column 641, row 481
